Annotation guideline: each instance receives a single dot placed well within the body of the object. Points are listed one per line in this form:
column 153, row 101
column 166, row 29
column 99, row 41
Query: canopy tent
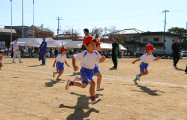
column 67, row 43
column 50, row 42
column 27, row 42
column 78, row 43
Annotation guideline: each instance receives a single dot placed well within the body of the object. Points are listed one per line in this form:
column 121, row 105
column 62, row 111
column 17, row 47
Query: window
column 156, row 39
column 145, row 39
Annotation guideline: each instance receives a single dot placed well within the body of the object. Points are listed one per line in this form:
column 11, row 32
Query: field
column 29, row 92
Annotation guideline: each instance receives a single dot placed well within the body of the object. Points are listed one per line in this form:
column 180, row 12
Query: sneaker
column 77, row 78
column 67, row 85
column 100, row 89
column 58, row 79
column 21, row 62
column 13, row 62
column 175, row 66
column 95, row 101
column 138, row 77
column 0, row 68
column 53, row 74
column 185, row 72
column 135, row 81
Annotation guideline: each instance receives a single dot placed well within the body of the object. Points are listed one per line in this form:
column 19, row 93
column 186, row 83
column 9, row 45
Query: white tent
column 50, row 42
column 108, row 46
column 27, row 42
column 67, row 43
column 78, row 43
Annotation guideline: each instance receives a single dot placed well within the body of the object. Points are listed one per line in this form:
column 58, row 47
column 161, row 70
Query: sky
column 144, row 15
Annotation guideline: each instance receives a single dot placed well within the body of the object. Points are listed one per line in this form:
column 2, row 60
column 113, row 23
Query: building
column 136, row 40
column 5, row 37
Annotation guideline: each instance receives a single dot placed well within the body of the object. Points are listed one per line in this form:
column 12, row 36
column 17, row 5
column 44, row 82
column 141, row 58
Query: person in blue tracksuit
column 42, row 49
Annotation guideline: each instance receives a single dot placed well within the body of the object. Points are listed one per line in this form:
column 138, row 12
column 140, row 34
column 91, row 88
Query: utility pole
column 165, row 28
column 58, row 18
column 22, row 21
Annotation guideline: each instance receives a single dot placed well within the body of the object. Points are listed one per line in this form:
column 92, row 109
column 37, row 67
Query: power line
column 165, row 11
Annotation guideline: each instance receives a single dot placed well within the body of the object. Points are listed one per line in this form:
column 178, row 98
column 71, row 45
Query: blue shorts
column 87, row 75
column 143, row 67
column 96, row 69
column 59, row 66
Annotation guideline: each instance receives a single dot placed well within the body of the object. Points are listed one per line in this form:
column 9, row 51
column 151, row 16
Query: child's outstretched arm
column 66, row 63
column 102, row 59
column 136, row 61
column 157, row 59
column 54, row 63
column 74, row 65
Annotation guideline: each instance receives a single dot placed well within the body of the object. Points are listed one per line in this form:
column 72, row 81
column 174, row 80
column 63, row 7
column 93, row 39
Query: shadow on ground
column 148, row 90
column 34, row 65
column 82, row 103
column 52, row 82
column 75, row 74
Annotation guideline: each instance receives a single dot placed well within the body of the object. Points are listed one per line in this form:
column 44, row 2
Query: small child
column 146, row 58
column 1, row 62
column 96, row 70
column 60, row 59
column 88, row 60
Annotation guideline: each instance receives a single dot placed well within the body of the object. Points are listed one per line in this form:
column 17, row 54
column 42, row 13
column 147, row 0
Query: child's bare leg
column 99, row 77
column 143, row 73
column 78, row 84
column 60, row 73
column 92, row 88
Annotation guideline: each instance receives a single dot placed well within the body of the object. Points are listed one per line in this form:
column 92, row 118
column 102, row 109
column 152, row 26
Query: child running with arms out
column 59, row 61
column 1, row 62
column 146, row 58
column 96, row 70
column 88, row 59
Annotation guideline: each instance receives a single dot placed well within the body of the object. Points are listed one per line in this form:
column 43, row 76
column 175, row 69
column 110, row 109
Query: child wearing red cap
column 146, row 58
column 88, row 59
column 59, row 61
column 1, row 61
column 96, row 70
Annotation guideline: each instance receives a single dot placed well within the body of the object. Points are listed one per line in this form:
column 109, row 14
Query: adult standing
column 176, row 49
column 6, row 51
column 115, row 50
column 16, row 51
column 43, row 50
column 86, row 33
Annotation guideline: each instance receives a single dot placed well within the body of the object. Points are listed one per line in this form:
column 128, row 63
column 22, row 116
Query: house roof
column 7, row 30
column 129, row 31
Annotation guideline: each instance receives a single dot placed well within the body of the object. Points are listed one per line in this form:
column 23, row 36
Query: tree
column 182, row 32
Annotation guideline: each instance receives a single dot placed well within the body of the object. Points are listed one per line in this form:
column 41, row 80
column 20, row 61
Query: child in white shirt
column 146, row 58
column 59, row 61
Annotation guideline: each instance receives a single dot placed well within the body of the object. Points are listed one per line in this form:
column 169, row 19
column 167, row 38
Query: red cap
column 1, row 56
column 63, row 48
column 150, row 47
column 88, row 39
column 98, row 42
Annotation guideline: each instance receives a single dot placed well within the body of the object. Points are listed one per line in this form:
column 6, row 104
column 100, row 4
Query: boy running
column 146, row 58
column 88, row 60
column 59, row 61
column 96, row 70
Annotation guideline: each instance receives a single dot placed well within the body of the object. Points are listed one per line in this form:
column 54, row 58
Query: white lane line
column 26, row 112
column 119, row 78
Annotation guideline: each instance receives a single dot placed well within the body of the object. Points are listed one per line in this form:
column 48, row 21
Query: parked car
column 184, row 53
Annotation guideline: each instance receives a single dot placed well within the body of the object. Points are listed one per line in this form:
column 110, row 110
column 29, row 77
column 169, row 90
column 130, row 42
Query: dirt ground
column 29, row 92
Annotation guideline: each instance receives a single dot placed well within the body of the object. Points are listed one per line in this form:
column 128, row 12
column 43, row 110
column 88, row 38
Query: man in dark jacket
column 115, row 51
column 176, row 49
column 43, row 50
column 86, row 33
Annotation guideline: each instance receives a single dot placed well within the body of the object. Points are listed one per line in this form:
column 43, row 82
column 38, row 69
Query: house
column 136, row 40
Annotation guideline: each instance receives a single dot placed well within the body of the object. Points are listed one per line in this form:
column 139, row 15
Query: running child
column 96, row 70
column 146, row 58
column 59, row 61
column 88, row 59
column 1, row 62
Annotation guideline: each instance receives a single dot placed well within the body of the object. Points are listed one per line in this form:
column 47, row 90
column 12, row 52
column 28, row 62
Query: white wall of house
column 168, row 43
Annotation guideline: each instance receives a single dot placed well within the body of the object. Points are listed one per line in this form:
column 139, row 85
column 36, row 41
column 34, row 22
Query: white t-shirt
column 61, row 58
column 146, row 58
column 88, row 60
column 16, row 47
